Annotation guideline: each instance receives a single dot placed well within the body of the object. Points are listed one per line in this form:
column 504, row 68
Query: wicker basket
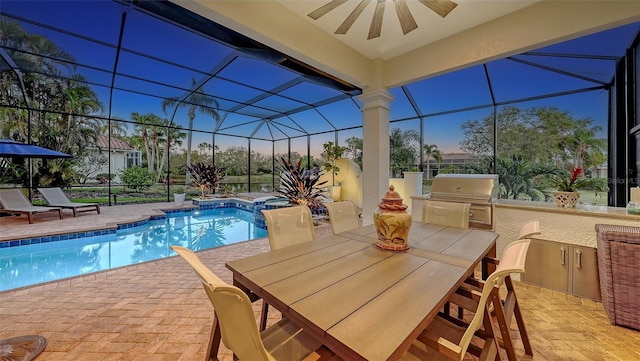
column 619, row 271
column 565, row 199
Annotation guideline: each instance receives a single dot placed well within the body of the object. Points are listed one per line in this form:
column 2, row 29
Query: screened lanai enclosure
column 138, row 90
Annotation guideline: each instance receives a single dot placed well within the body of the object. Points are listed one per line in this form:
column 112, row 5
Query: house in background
column 600, row 171
column 451, row 163
column 122, row 156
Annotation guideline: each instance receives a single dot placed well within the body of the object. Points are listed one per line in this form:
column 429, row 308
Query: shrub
column 206, row 176
column 137, row 178
column 103, row 177
column 301, row 186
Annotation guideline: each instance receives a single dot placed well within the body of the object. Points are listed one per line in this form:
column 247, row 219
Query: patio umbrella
column 10, row 148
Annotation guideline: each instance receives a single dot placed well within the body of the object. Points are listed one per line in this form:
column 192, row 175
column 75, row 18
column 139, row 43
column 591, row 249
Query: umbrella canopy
column 10, row 148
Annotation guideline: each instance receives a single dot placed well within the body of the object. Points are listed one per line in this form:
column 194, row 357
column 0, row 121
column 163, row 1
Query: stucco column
column 375, row 152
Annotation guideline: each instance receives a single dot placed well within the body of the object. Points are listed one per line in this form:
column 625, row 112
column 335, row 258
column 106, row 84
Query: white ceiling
column 392, row 42
column 474, row 32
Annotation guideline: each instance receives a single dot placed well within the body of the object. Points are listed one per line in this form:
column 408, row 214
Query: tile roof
column 103, row 142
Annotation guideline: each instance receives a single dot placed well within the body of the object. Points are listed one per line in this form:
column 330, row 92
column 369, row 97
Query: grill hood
column 474, row 188
column 480, row 190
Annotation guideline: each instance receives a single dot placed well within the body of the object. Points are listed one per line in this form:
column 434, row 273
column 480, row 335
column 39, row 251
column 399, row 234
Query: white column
column 375, row 154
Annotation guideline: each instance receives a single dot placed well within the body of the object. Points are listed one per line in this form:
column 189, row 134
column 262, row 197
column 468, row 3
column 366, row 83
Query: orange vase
column 392, row 222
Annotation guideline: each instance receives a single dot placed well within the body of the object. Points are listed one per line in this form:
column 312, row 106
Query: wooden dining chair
column 504, row 309
column 453, row 338
column 286, row 227
column 343, row 216
column 234, row 323
column 450, row 214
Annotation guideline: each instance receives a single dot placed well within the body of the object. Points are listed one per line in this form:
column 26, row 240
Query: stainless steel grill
column 481, row 190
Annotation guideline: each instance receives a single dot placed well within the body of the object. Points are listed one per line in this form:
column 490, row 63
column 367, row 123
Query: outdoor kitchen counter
column 567, row 225
column 580, row 209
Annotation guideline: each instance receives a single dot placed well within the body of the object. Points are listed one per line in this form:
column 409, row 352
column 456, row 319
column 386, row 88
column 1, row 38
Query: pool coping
column 107, row 228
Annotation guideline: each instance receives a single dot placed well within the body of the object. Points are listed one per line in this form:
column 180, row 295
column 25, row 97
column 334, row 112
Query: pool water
column 198, row 230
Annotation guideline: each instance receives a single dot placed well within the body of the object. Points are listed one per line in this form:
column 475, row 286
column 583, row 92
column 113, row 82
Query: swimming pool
column 32, row 264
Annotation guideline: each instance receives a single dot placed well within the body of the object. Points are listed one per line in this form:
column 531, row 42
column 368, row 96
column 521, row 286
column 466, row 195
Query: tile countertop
column 580, row 209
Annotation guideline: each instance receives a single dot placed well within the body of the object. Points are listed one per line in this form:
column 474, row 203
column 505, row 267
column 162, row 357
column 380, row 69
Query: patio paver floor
column 158, row 310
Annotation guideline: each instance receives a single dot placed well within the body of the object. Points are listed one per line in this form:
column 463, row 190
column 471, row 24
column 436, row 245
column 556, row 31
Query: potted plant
column 332, row 152
column 567, row 185
column 299, row 185
column 206, row 176
column 178, row 196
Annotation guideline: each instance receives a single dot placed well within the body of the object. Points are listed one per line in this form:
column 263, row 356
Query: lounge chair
column 55, row 197
column 13, row 201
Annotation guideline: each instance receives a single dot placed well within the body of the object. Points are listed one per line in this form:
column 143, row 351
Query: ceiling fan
column 407, row 22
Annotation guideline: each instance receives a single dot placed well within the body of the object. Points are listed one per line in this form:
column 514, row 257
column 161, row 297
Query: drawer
column 480, row 214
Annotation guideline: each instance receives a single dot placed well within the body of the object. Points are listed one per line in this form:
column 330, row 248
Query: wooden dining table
column 361, row 301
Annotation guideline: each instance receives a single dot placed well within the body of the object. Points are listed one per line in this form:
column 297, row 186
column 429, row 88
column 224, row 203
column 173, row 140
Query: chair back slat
column 343, row 216
column 13, row 199
column 513, row 257
column 233, row 310
column 54, row 195
column 529, row 229
column 289, row 226
column 450, row 214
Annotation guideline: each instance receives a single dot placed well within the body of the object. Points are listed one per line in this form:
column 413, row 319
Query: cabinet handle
column 578, row 258
column 563, row 252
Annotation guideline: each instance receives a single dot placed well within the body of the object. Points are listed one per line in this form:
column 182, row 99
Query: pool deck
column 158, row 311
column 154, row 310
column 48, row 223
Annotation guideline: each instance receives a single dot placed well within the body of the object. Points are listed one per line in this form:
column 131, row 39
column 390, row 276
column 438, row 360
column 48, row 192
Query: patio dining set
column 343, row 297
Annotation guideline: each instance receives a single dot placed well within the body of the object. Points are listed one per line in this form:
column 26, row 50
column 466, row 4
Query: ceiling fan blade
column 407, row 22
column 376, row 22
column 317, row 13
column 346, row 24
column 440, row 7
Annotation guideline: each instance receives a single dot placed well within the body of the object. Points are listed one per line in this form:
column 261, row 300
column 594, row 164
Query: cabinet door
column 547, row 265
column 584, row 266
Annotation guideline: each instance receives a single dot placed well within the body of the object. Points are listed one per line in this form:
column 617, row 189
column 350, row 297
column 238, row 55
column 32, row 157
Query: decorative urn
column 392, row 222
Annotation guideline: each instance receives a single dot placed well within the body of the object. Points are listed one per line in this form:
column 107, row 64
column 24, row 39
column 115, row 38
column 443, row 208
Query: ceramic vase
column 392, row 222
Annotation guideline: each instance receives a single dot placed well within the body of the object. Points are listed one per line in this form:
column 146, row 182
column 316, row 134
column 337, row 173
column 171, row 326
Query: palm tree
column 518, row 176
column 402, row 153
column 431, row 150
column 117, row 127
column 196, row 101
column 583, row 144
column 156, row 138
